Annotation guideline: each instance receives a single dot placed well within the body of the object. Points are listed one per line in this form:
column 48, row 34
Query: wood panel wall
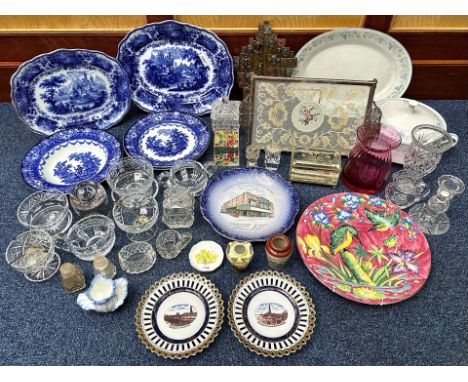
column 438, row 45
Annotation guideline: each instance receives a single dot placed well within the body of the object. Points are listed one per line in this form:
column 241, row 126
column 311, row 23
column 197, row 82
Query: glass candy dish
column 33, row 254
column 137, row 257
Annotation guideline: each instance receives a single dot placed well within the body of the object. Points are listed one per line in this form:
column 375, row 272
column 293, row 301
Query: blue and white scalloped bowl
column 249, row 204
column 70, row 88
column 176, row 66
column 167, row 137
column 103, row 295
column 69, row 157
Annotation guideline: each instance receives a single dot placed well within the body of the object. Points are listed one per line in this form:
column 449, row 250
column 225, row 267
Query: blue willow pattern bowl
column 176, row 66
column 70, row 88
column 167, row 137
column 69, row 157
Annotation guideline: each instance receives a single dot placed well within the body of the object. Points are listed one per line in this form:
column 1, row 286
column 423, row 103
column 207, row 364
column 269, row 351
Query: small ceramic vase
column 278, row 250
column 104, row 294
column 206, row 256
column 239, row 254
column 104, row 267
column 73, row 279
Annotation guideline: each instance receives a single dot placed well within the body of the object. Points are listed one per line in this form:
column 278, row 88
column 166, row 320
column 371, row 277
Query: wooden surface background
column 438, row 45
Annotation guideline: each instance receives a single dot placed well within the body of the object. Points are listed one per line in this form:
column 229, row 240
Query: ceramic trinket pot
column 278, row 250
column 206, row 256
column 239, row 254
column 104, row 295
column 104, row 267
column 89, row 197
column 225, row 125
column 73, row 278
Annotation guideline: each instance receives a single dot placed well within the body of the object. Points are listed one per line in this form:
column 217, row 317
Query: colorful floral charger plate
column 357, row 54
column 70, row 88
column 176, row 66
column 180, row 315
column 69, row 157
column 249, row 204
column 167, row 137
column 363, row 248
column 271, row 314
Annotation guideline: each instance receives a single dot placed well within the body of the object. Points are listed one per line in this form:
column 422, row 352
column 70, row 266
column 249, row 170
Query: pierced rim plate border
column 292, row 210
column 381, row 40
column 124, row 58
column 154, row 121
column 21, row 105
column 31, row 162
column 204, row 337
column 295, row 291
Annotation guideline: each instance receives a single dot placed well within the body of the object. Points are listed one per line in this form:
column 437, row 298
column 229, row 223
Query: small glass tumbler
column 370, row 160
column 131, row 175
column 137, row 257
column 406, row 189
column 170, row 243
column 33, row 254
column 91, row 236
column 252, row 153
column 46, row 211
column 89, row 197
column 137, row 215
column 104, row 267
column 178, row 207
column 272, row 157
column 73, row 278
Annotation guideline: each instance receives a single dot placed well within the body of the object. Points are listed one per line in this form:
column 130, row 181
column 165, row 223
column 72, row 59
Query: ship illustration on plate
column 248, row 204
column 180, row 316
column 271, row 314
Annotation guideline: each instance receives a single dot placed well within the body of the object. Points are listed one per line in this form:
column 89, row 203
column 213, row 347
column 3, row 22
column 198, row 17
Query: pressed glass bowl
column 137, row 257
column 131, row 175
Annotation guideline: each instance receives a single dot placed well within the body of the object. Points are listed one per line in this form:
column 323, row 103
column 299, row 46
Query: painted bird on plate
column 381, row 221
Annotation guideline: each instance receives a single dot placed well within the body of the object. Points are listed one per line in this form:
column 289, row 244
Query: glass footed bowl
column 91, row 236
column 131, row 175
column 45, row 211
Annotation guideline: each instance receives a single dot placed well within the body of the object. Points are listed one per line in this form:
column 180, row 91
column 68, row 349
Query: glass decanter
column 178, row 207
column 370, row 160
column 431, row 216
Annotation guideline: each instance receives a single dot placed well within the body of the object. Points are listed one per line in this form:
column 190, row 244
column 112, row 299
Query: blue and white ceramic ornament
column 70, row 88
column 104, row 294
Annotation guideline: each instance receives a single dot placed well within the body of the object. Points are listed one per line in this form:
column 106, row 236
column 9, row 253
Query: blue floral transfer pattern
column 77, row 167
column 168, row 142
column 176, row 66
column 70, row 88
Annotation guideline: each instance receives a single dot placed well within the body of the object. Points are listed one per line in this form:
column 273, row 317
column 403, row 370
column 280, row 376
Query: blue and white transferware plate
column 69, row 157
column 167, row 137
column 357, row 54
column 176, row 66
column 249, row 204
column 70, row 88
column 271, row 314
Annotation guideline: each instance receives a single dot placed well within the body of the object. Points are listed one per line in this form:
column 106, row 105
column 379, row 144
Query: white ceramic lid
column 206, row 256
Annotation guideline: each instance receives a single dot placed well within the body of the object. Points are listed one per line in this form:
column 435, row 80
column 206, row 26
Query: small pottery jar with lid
column 278, row 250
column 239, row 254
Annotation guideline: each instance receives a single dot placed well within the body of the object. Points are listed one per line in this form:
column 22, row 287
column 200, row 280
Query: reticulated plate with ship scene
column 70, row 88
column 249, row 204
column 271, row 314
column 167, row 137
column 363, row 248
column 69, row 157
column 180, row 315
column 357, row 54
column 176, row 66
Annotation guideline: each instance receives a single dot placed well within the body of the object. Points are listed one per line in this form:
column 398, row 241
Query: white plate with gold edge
column 271, row 314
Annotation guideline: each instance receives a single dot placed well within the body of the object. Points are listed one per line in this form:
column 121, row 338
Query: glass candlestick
column 89, row 197
column 252, row 153
column 272, row 157
column 431, row 216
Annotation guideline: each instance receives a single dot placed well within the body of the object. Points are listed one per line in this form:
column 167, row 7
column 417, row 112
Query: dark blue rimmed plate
column 176, row 66
column 167, row 137
column 70, row 88
column 68, row 157
column 249, row 204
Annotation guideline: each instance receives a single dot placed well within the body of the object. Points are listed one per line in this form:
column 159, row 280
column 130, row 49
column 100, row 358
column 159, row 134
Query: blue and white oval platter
column 167, row 137
column 68, row 157
column 176, row 66
column 249, row 204
column 70, row 88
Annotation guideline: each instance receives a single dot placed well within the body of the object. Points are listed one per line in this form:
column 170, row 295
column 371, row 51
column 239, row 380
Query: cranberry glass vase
column 370, row 160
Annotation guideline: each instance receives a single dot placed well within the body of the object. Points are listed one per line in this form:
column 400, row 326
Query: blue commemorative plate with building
column 68, row 157
column 70, row 88
column 176, row 66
